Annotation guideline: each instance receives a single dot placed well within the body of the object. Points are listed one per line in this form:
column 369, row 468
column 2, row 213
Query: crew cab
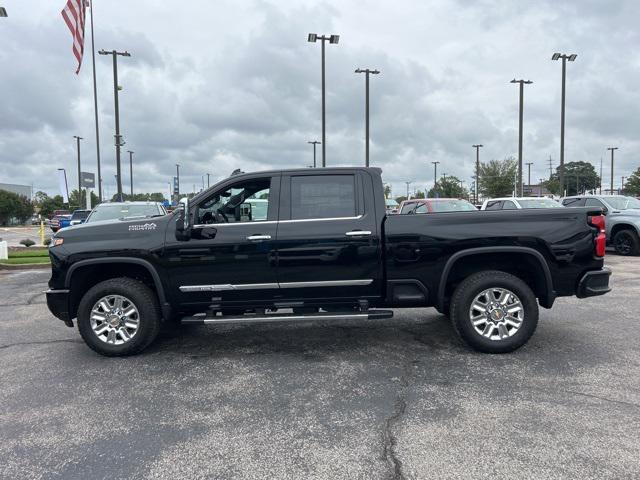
column 324, row 250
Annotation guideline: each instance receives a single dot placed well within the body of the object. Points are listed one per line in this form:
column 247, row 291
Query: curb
column 25, row 266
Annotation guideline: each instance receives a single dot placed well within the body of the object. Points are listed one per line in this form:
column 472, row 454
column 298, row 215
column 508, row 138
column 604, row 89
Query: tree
column 14, row 207
column 632, row 186
column 48, row 204
column 497, row 178
column 387, row 191
column 578, row 178
column 448, row 187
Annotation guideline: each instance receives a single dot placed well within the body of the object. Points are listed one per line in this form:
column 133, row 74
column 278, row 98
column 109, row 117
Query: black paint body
column 407, row 260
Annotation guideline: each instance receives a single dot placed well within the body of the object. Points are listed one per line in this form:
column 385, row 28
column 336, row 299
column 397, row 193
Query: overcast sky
column 225, row 84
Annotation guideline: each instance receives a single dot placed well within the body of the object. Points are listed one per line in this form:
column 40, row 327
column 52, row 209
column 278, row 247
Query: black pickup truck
column 296, row 245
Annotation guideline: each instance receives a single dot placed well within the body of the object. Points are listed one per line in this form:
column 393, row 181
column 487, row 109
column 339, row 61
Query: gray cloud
column 237, row 85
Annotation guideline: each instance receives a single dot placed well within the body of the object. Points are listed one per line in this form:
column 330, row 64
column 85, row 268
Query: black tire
column 626, row 242
column 473, row 286
column 141, row 296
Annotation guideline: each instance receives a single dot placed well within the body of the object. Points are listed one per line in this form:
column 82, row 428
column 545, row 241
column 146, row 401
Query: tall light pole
column 477, row 147
column 208, row 182
column 131, row 169
column 314, row 143
column 118, row 138
column 408, row 183
column 571, row 58
column 367, row 72
column 613, row 149
column 522, row 84
column 178, row 182
column 435, row 174
column 79, row 174
column 333, row 39
column 529, row 175
column 622, row 187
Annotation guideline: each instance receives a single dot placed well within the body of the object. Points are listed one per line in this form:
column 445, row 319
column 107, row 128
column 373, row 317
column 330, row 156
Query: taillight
column 601, row 237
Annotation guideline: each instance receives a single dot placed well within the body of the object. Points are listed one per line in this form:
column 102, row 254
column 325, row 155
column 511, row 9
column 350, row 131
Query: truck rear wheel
column 494, row 312
column 119, row 317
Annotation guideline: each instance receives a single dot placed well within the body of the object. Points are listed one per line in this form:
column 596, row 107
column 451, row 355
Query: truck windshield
column 538, row 203
column 114, row 212
column 623, row 203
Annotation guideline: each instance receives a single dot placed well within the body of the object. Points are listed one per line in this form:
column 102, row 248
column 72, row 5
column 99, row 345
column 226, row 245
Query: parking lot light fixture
column 333, row 39
column 367, row 72
column 314, row 143
column 477, row 147
column 612, row 149
column 435, row 174
column 518, row 190
column 3, row 12
column 571, row 58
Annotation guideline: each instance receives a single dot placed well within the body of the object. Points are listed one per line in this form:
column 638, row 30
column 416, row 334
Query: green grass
column 25, row 260
column 29, row 252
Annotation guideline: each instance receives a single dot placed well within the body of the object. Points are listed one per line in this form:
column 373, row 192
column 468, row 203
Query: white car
column 519, row 203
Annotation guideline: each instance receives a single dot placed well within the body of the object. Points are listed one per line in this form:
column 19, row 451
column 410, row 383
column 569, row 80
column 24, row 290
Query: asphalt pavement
column 394, row 399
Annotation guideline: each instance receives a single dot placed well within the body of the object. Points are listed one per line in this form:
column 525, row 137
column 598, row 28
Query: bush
column 27, row 242
column 47, row 241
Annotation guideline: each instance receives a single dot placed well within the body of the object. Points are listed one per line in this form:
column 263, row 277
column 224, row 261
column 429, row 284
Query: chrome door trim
column 271, row 222
column 256, row 286
column 327, row 283
column 258, row 237
column 358, row 233
column 226, row 286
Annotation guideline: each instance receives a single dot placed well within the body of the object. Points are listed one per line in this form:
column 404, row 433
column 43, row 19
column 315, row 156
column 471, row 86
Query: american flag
column 74, row 15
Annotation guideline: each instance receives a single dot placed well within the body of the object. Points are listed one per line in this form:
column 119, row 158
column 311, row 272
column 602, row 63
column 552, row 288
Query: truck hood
column 116, row 230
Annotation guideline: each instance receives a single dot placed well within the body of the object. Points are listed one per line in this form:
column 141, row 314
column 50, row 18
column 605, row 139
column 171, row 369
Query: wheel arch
column 112, row 267
column 540, row 276
column 622, row 226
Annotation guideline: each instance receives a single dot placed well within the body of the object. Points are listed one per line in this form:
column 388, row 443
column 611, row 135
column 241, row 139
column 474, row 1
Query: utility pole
column 477, row 147
column 79, row 174
column 613, row 149
column 367, row 72
column 571, row 58
column 622, row 187
column 529, row 176
column 131, row 169
column 550, row 167
column 522, row 84
column 314, row 143
column 333, row 39
column 408, row 183
column 117, row 136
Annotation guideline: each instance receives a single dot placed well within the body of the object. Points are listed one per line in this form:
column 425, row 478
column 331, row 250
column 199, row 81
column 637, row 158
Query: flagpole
column 95, row 106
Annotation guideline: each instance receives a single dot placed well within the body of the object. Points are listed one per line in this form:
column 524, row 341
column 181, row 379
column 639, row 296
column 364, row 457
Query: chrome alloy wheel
column 496, row 313
column 115, row 319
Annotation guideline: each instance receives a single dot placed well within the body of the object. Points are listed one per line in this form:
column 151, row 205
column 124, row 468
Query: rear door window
column 508, row 205
column 494, row 205
column 573, row 202
column 323, row 196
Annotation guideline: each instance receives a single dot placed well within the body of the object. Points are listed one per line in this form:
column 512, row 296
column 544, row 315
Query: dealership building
column 24, row 190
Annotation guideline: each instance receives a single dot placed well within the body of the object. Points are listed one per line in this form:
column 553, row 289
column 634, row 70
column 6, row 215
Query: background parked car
column 623, row 219
column 435, row 205
column 519, row 203
column 78, row 217
column 122, row 210
column 58, row 220
column 391, row 206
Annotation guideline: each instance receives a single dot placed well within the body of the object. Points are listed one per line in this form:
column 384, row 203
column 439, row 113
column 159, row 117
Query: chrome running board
column 287, row 317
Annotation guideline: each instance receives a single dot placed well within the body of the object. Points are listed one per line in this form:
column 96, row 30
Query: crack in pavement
column 17, row 344
column 605, row 399
column 399, row 409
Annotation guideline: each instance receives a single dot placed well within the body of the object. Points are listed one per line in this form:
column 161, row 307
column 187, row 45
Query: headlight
column 57, row 241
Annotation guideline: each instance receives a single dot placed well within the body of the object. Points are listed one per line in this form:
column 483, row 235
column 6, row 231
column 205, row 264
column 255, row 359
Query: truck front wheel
column 119, row 317
column 494, row 312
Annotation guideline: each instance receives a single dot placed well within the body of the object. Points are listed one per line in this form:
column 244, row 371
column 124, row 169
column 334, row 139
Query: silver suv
column 623, row 219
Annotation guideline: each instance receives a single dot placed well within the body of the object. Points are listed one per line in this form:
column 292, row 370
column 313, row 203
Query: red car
column 435, row 205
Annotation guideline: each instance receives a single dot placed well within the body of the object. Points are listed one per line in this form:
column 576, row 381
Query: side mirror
column 245, row 212
column 75, row 222
column 605, row 210
column 183, row 225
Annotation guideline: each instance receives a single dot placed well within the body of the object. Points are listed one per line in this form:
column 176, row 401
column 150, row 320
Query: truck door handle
column 358, row 233
column 258, row 237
